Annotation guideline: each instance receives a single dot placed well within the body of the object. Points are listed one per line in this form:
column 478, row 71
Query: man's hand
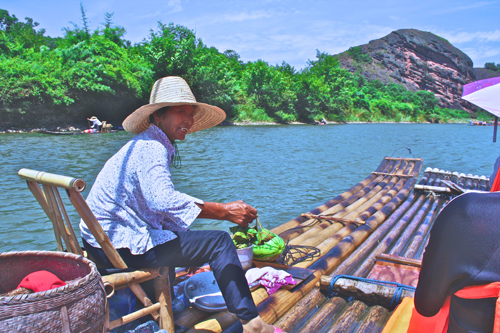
column 240, row 213
column 237, row 212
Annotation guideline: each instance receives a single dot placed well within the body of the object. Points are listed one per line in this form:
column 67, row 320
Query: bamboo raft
column 380, row 223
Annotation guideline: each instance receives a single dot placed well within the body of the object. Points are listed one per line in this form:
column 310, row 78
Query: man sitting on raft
column 96, row 123
column 134, row 200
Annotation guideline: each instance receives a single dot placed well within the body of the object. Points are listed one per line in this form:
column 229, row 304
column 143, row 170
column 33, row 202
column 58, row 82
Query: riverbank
column 246, row 123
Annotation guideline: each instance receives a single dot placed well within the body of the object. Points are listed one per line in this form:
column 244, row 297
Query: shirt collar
column 156, row 133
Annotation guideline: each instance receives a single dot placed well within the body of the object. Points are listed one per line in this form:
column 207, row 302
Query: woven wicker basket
column 79, row 306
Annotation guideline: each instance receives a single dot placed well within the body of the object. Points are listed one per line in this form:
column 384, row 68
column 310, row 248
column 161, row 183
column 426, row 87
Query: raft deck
column 378, row 229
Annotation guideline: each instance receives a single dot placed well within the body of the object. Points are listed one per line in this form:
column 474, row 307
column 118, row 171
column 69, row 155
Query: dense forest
column 99, row 72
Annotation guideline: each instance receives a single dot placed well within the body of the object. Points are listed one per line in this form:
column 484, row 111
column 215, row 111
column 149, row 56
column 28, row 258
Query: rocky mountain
column 418, row 60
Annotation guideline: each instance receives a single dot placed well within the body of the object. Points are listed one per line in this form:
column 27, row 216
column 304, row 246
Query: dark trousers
column 196, row 248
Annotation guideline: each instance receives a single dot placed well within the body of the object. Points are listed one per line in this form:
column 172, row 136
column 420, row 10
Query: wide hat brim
column 173, row 91
column 205, row 116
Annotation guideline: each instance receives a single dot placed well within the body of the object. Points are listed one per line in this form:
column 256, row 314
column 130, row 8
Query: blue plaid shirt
column 133, row 197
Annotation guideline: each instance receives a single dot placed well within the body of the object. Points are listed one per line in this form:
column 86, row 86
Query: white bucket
column 246, row 257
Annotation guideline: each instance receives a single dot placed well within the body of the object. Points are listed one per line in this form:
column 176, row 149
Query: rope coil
column 289, row 255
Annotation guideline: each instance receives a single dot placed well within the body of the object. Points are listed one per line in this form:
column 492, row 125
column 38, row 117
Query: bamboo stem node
column 331, row 218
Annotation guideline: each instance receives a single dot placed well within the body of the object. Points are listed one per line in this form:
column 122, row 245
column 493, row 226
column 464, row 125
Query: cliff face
column 418, row 60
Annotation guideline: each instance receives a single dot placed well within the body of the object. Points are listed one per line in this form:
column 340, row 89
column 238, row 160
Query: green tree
column 18, row 37
column 492, row 67
column 270, row 89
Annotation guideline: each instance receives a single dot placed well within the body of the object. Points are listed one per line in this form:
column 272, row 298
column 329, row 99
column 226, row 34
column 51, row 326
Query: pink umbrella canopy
column 485, row 94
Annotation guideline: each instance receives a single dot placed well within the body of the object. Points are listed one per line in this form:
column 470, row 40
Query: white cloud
column 481, row 4
column 247, row 16
column 174, row 6
column 478, row 36
column 480, row 56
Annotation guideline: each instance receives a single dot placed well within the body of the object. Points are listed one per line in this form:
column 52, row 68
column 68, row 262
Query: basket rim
column 64, row 289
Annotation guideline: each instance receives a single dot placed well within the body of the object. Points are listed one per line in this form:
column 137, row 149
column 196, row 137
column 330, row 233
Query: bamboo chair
column 49, row 198
column 105, row 127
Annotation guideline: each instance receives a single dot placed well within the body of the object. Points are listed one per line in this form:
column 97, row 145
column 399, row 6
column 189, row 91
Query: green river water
column 283, row 171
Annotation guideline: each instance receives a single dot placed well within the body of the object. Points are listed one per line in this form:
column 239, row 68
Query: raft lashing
column 377, row 232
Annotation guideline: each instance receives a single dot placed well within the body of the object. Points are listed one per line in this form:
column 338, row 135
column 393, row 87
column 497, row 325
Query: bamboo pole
column 334, row 210
column 51, row 179
column 58, row 221
column 324, row 316
column 382, row 201
column 390, row 174
column 483, row 185
column 402, row 241
column 363, row 291
column 368, row 203
column 320, row 231
column 423, row 229
column 68, row 228
column 377, row 243
column 461, row 180
column 162, row 292
column 436, row 189
column 404, row 159
column 399, row 260
column 331, row 218
column 468, row 184
column 133, row 316
column 374, row 320
column 95, row 228
column 332, row 241
column 293, row 317
column 333, row 258
column 420, row 252
column 291, row 234
column 187, row 318
column 122, row 280
column 351, row 314
column 48, row 209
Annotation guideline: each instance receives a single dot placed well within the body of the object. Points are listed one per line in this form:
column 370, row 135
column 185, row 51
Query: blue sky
column 291, row 30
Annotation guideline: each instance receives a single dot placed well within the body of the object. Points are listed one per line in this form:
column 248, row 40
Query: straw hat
column 171, row 91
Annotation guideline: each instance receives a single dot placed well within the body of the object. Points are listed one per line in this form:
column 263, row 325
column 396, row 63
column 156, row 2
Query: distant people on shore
column 96, row 123
column 482, row 122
